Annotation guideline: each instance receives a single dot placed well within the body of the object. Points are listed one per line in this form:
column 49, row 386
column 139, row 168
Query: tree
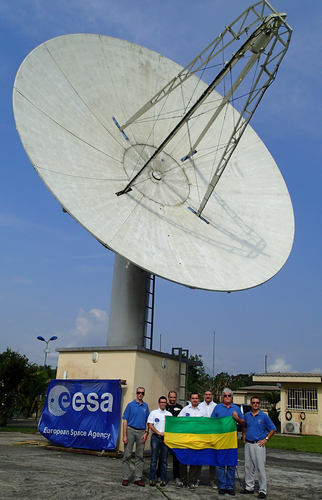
column 32, row 391
column 273, row 398
column 221, row 381
column 197, row 376
column 199, row 380
column 13, row 368
column 22, row 385
column 242, row 380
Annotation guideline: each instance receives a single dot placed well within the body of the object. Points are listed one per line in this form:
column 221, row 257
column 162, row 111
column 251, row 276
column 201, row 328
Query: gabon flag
column 202, row 440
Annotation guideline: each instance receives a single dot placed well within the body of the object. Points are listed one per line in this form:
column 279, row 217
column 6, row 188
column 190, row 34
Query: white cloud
column 280, row 365
column 316, row 370
column 99, row 314
column 91, row 329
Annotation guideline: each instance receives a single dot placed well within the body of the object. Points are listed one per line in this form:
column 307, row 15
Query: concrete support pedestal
column 127, row 310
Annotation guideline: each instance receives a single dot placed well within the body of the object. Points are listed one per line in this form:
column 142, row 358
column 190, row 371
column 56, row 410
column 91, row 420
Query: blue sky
column 55, row 278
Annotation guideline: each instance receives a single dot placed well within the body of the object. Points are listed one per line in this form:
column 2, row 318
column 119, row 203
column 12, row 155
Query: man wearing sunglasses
column 226, row 473
column 258, row 430
column 135, row 430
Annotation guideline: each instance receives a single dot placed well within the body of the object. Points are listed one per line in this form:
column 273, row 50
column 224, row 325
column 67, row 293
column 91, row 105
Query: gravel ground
column 29, row 470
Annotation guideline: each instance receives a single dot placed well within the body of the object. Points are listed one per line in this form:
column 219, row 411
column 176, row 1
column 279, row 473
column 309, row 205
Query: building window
column 302, row 399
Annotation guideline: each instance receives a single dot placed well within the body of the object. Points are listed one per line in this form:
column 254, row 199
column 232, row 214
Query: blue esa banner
column 82, row 413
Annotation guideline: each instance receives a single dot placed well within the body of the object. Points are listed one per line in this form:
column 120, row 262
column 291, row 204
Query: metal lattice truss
column 265, row 47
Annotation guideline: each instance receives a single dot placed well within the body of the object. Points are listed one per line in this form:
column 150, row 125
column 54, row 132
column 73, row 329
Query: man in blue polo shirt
column 135, row 430
column 258, row 430
column 226, row 474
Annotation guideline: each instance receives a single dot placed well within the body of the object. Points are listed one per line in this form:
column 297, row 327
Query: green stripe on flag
column 200, row 425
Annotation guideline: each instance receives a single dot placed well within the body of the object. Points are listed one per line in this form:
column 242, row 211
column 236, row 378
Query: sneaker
column 197, row 483
column 177, row 480
column 213, row 485
column 192, row 487
column 261, row 495
column 247, row 492
column 180, row 484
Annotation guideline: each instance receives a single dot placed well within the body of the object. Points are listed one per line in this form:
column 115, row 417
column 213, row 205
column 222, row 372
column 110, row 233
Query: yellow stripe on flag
column 200, row 441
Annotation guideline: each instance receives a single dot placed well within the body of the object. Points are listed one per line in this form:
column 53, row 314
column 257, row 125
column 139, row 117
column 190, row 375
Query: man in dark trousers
column 135, row 430
column 257, row 431
column 174, row 408
column 159, row 449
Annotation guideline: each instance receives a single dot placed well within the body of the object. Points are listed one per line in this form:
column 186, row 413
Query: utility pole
column 213, row 356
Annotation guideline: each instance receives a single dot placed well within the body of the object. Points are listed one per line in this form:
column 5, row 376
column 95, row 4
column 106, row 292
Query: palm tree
column 273, row 398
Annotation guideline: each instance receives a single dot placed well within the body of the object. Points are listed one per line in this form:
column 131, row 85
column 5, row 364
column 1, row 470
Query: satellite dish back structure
column 132, row 146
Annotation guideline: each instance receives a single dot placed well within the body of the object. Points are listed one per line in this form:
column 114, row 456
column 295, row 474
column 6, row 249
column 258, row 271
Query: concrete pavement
column 30, row 471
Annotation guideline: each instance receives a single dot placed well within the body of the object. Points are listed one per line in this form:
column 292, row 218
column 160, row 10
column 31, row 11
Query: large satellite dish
column 77, row 102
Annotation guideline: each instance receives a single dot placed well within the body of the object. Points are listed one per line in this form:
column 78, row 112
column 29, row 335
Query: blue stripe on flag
column 206, row 456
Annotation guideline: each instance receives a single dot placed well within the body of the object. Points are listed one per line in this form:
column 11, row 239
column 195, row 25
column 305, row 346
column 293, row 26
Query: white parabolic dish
column 65, row 94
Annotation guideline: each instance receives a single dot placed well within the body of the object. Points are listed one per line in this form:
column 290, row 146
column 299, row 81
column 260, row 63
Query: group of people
column 257, row 429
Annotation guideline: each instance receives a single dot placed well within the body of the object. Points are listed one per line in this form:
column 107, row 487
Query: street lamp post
column 46, row 350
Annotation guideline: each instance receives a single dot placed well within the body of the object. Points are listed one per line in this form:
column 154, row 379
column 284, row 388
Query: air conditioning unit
column 292, row 428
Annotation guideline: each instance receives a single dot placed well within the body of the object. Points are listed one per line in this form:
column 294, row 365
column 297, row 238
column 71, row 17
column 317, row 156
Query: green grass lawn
column 26, row 430
column 307, row 444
